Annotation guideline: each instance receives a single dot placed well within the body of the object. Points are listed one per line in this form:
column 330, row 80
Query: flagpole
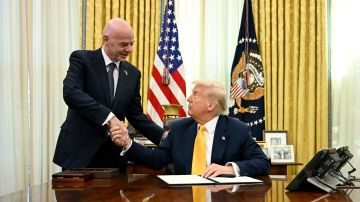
column 162, row 10
column 246, row 31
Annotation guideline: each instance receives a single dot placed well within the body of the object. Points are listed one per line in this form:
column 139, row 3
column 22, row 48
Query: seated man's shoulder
column 237, row 122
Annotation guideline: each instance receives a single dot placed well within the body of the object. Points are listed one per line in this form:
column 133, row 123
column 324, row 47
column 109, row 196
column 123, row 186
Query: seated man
column 207, row 143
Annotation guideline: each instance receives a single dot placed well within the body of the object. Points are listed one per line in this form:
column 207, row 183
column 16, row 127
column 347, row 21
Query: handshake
column 118, row 132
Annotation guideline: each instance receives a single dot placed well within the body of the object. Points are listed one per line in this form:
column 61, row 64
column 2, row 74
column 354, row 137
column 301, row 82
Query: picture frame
column 275, row 137
column 282, row 154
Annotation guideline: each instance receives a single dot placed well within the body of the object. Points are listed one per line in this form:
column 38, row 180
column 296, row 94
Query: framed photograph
column 282, row 154
column 275, row 137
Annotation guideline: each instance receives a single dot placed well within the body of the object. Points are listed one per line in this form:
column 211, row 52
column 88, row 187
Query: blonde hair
column 215, row 92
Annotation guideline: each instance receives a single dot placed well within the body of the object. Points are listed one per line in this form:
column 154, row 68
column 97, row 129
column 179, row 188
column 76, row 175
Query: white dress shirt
column 116, row 77
column 209, row 138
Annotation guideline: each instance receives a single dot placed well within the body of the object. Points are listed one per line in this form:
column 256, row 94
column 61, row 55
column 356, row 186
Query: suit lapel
column 190, row 135
column 220, row 140
column 100, row 70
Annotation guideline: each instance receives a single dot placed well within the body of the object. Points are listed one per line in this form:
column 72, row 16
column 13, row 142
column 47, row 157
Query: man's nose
column 189, row 98
column 129, row 48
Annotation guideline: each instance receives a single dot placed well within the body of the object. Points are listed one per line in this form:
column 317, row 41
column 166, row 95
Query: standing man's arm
column 74, row 93
column 141, row 123
column 76, row 97
column 155, row 158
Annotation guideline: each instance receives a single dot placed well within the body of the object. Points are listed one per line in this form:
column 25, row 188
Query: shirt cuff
column 235, row 167
column 235, row 188
column 108, row 118
column 124, row 150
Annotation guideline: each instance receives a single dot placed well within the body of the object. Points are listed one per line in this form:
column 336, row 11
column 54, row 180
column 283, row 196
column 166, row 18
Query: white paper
column 184, row 179
column 195, row 179
column 236, row 180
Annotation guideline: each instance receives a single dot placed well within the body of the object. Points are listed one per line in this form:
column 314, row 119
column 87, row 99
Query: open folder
column 198, row 180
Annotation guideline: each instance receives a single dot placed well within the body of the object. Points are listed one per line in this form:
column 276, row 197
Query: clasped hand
column 119, row 133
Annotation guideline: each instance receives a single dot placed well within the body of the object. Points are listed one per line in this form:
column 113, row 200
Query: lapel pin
column 223, row 138
column 126, row 73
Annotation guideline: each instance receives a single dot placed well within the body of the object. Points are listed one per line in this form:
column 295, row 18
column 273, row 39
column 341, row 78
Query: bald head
column 117, row 27
column 118, row 39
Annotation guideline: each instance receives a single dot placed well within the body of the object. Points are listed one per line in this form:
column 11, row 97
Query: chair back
column 169, row 122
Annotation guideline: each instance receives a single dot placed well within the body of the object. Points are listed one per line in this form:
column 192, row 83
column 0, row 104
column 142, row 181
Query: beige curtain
column 293, row 43
column 15, row 57
column 143, row 15
column 38, row 40
column 345, row 74
column 55, row 36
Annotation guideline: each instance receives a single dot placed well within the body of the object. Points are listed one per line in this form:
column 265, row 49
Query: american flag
column 236, row 90
column 167, row 83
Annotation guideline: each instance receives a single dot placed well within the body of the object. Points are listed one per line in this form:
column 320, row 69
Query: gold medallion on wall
column 251, row 74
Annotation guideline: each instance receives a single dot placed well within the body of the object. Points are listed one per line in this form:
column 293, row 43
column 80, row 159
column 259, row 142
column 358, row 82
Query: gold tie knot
column 202, row 129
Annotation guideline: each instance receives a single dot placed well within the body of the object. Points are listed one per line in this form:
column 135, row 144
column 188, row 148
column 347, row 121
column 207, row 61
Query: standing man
column 101, row 88
column 207, row 143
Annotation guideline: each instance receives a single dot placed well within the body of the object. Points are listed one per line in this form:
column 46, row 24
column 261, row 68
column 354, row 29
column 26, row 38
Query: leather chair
column 169, row 122
column 169, row 169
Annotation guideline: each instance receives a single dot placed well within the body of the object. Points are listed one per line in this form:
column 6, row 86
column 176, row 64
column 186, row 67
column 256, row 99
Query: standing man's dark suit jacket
column 86, row 91
column 232, row 143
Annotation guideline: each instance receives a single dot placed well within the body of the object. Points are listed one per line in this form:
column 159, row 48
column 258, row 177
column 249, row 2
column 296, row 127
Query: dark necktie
column 112, row 66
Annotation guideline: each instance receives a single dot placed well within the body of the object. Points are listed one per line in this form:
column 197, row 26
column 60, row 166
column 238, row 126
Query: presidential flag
column 247, row 77
column 167, row 83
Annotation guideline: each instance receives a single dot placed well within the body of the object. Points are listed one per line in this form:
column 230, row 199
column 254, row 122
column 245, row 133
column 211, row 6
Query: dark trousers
column 108, row 156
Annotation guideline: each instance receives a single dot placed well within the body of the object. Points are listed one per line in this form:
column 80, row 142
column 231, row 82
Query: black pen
column 226, row 175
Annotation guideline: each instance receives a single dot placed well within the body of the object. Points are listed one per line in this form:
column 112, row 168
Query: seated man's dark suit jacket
column 232, row 143
column 86, row 91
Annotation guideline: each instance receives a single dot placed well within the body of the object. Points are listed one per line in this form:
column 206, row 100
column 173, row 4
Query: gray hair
column 215, row 92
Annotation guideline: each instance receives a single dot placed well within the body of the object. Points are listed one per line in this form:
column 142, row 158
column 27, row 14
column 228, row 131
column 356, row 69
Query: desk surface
column 276, row 169
column 139, row 187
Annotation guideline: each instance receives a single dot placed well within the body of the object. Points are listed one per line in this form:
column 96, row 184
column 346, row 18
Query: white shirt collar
column 211, row 125
column 107, row 59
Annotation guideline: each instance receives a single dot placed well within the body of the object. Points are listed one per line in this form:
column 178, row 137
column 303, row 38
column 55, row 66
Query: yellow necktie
column 199, row 155
column 199, row 193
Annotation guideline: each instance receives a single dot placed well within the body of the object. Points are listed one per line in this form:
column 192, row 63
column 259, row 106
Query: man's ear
column 211, row 105
column 105, row 39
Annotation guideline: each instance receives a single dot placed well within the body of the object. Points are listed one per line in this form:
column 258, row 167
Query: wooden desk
column 149, row 188
column 140, row 169
column 276, row 169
